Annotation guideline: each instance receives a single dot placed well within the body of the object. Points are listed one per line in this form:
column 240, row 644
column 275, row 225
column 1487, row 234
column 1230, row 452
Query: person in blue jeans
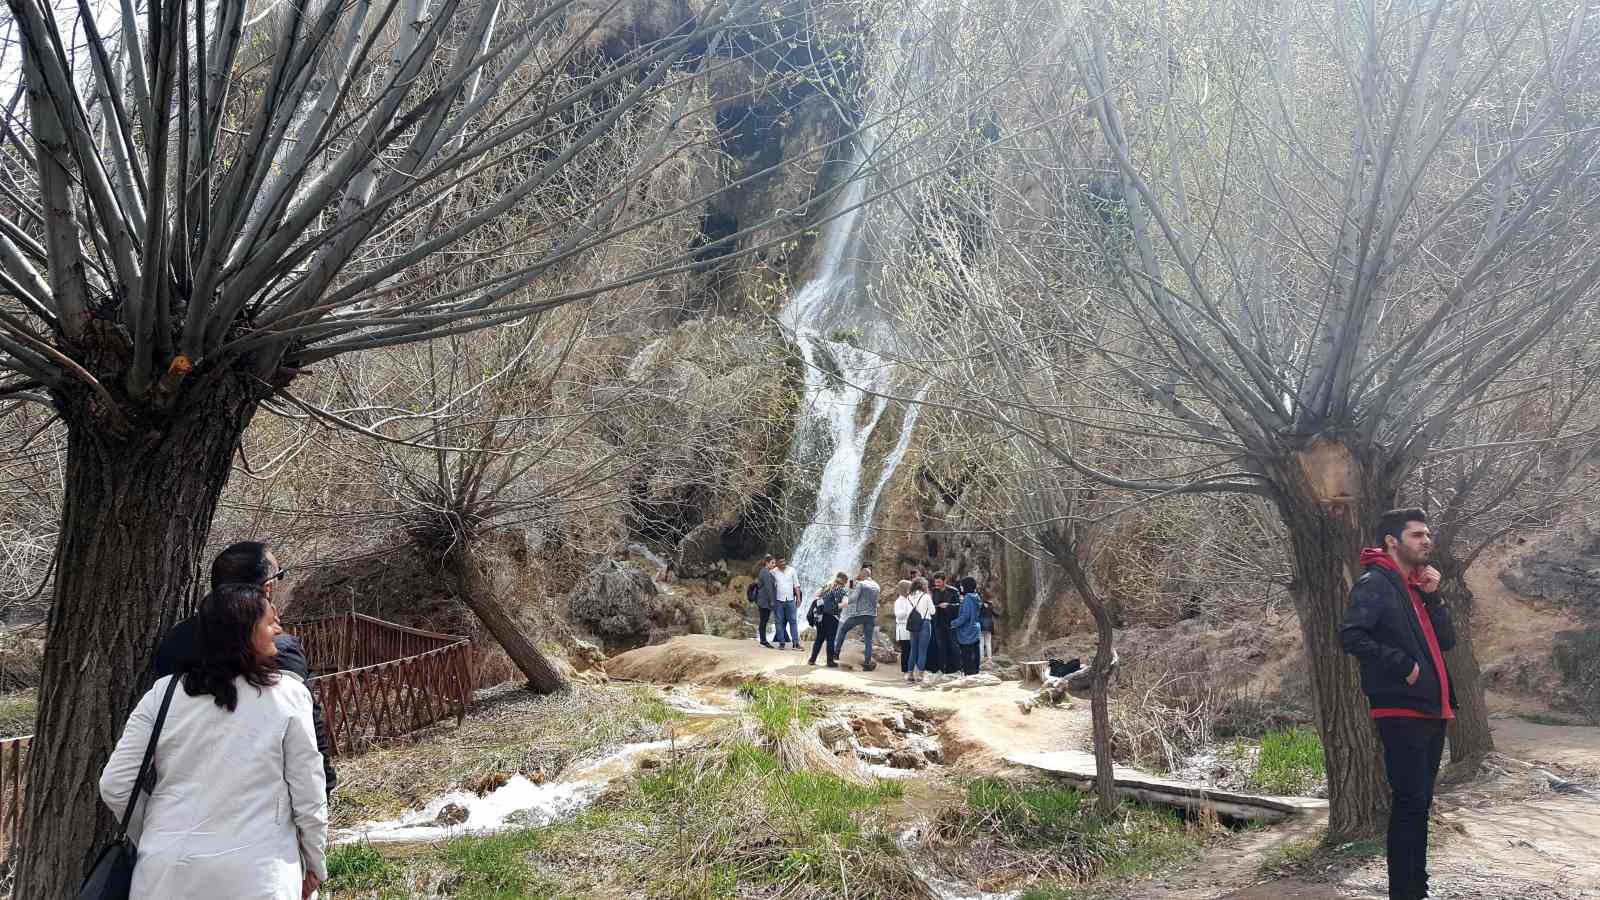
column 861, row 611
column 922, row 638
column 787, row 589
column 966, row 626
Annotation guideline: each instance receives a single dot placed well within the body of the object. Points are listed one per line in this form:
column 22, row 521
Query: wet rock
column 490, row 783
column 452, row 814
column 907, row 759
column 872, row 732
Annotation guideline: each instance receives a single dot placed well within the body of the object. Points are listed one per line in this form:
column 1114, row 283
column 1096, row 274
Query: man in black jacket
column 250, row 562
column 1398, row 629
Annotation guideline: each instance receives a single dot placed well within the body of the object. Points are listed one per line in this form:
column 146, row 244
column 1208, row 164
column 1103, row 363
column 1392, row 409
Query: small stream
column 523, row 803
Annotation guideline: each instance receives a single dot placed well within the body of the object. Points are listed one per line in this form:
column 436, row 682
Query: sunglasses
column 279, row 575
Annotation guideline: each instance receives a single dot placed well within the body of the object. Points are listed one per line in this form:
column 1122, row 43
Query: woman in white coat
column 237, row 808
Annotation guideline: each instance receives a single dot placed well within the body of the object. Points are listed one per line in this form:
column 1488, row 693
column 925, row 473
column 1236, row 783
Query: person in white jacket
column 902, row 637
column 917, row 643
column 238, row 807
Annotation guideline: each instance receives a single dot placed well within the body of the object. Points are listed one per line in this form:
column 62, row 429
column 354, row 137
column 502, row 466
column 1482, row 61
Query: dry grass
column 509, row 731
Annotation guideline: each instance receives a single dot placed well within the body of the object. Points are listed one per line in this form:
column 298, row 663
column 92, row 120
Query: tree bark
column 1105, row 784
column 1470, row 736
column 134, row 523
column 1329, row 499
column 476, row 592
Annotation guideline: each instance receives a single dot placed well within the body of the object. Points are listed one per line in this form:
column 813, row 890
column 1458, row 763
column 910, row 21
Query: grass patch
column 1053, row 837
column 1290, row 762
column 1313, row 854
column 779, row 709
column 359, row 867
column 17, row 713
column 495, row 867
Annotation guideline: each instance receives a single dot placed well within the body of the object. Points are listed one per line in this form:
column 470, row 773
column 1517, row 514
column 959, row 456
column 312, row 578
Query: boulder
column 620, row 604
column 699, row 552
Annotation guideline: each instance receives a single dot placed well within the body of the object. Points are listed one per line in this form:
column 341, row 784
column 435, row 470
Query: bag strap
column 149, row 757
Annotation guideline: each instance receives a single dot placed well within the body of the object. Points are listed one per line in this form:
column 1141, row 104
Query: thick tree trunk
column 134, row 524
column 1470, row 737
column 476, row 592
column 1329, row 500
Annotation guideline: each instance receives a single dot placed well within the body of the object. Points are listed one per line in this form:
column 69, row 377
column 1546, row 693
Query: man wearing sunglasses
column 250, row 562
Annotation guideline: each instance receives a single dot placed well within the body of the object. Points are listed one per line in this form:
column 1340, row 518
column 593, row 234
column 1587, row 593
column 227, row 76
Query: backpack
column 916, row 619
column 814, row 614
column 751, row 592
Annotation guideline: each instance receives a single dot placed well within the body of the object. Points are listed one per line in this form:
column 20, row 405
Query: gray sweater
column 863, row 600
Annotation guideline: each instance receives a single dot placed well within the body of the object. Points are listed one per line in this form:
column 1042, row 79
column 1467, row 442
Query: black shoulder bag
column 111, row 878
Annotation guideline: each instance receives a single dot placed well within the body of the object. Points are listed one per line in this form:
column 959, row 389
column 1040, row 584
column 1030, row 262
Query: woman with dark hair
column 237, row 807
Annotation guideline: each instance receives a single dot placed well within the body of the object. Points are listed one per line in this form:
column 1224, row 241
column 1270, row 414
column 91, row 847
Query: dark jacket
column 944, row 615
column 831, row 603
column 1381, row 630
column 986, row 614
column 766, row 589
column 178, row 645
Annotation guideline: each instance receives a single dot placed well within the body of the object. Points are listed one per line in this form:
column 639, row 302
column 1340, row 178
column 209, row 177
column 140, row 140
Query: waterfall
column 838, row 331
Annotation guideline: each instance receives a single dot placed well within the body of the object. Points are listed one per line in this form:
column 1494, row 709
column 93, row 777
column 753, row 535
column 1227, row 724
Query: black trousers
column 1412, row 749
column 905, row 655
column 944, row 641
column 761, row 631
column 827, row 627
column 969, row 658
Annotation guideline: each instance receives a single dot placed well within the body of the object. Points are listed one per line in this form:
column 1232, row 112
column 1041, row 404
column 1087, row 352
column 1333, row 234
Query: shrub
column 1577, row 658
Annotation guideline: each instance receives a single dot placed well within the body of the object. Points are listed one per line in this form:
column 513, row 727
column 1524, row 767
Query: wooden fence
column 378, row 679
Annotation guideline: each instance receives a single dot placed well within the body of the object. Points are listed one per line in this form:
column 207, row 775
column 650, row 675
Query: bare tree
column 1302, row 246
column 197, row 207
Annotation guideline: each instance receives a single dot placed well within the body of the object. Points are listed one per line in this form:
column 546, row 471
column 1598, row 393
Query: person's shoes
column 811, row 662
column 798, row 647
column 833, row 665
column 766, row 645
column 868, row 666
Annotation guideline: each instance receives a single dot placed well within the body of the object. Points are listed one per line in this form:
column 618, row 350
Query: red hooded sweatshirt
column 1376, row 556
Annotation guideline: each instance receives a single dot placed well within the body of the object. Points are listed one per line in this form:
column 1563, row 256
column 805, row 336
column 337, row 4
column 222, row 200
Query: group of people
column 228, row 778
column 942, row 629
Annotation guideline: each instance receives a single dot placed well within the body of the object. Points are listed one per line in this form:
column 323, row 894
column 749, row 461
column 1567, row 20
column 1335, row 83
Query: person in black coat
column 943, row 654
column 1398, row 628
column 249, row 562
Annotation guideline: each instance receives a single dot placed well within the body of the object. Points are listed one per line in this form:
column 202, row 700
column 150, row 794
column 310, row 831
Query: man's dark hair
column 223, row 647
column 1393, row 523
column 939, row 576
column 969, row 585
column 244, row 562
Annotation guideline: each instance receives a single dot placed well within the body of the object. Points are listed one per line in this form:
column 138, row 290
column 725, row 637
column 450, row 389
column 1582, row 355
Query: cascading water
column 839, row 332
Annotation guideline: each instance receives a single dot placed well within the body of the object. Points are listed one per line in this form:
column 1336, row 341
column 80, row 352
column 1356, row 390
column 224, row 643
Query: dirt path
column 980, row 725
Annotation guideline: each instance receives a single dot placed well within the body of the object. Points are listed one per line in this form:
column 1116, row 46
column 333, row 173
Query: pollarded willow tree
column 1305, row 247
column 1340, row 236
column 202, row 202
